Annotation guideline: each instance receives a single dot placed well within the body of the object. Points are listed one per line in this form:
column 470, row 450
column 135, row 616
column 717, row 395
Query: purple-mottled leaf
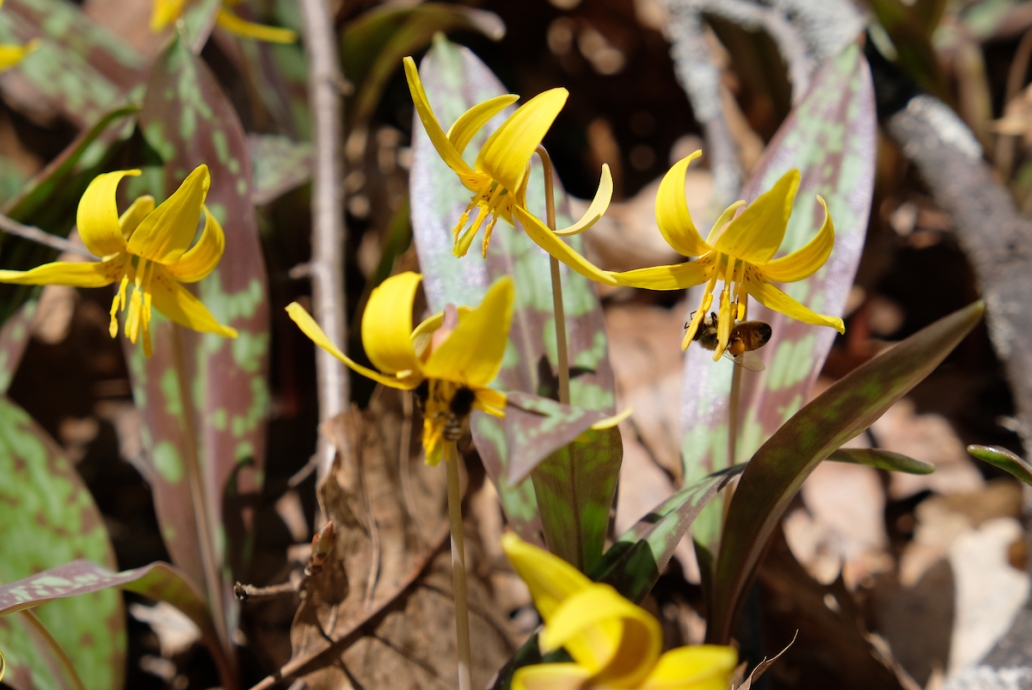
column 882, row 460
column 535, row 427
column 48, row 517
column 782, row 464
column 279, row 165
column 830, row 137
column 206, row 445
column 83, row 579
column 80, row 70
column 454, row 80
column 14, row 336
column 1005, row 460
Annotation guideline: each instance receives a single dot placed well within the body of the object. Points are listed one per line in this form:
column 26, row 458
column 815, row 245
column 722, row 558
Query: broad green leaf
column 49, row 518
column 80, row 69
column 79, row 581
column 278, row 165
column 882, row 460
column 455, row 80
column 830, row 137
column 782, row 464
column 209, row 439
column 1005, row 460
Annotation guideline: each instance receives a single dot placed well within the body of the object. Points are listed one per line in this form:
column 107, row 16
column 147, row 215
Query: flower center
column 492, row 200
column 139, row 316
column 446, row 411
column 730, row 311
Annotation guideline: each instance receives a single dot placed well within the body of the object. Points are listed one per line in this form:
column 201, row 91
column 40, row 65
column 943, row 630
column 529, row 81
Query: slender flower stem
column 28, row 232
column 557, row 284
column 33, row 620
column 451, row 459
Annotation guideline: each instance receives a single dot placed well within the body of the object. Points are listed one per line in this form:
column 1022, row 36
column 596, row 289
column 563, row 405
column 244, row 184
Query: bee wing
column 749, row 360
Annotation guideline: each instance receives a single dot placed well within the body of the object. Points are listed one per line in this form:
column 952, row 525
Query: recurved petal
column 166, row 233
column 11, row 54
column 618, row 641
column 445, row 149
column 387, row 324
column 490, row 401
column 756, row 233
column 234, row 24
column 473, row 353
column 203, row 257
column 507, row 151
column 97, row 216
column 598, row 206
column 551, row 580
column 310, row 328
column 672, row 216
column 547, row 240
column 73, row 273
column 132, row 216
column 769, row 296
column 672, row 277
column 469, row 123
column 550, row 677
column 806, row 261
column 722, row 222
column 165, row 12
column 178, row 304
column 700, row 667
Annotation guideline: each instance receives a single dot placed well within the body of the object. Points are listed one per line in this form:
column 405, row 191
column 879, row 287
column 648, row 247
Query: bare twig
column 327, row 264
column 251, row 592
column 27, row 232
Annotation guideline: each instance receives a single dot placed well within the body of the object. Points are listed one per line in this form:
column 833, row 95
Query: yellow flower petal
column 550, row 677
column 806, row 261
column 234, row 24
column 771, row 297
column 610, row 422
column 550, row 579
column 445, row 149
column 73, row 273
column 134, row 215
column 310, row 328
column 469, row 123
column 672, row 277
column 756, row 233
column 97, row 216
column 700, row 667
column 672, row 216
column 387, row 324
column 168, row 231
column 180, row 306
column 165, row 12
column 424, row 332
column 722, row 221
column 507, row 151
column 617, row 640
column 547, row 240
column 11, row 55
column 490, row 401
column 473, row 353
column 598, row 206
column 203, row 257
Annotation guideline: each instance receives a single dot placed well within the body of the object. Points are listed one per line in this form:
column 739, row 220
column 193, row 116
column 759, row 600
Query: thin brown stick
column 33, row 234
column 557, row 282
column 251, row 592
column 458, row 549
column 326, row 268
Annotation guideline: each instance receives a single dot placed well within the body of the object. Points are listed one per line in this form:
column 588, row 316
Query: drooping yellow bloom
column 614, row 644
column 167, row 11
column 498, row 178
column 147, row 246
column 11, row 54
column 739, row 251
column 457, row 366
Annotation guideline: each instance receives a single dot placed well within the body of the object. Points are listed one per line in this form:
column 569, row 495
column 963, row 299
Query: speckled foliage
column 573, row 489
column 213, row 433
column 830, row 137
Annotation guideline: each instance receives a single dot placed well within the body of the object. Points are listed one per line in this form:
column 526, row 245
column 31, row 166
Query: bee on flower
column 739, row 252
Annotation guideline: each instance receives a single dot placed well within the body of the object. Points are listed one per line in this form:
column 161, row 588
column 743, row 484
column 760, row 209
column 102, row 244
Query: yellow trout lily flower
column 498, row 178
column 456, row 366
column 167, row 11
column 147, row 246
column 614, row 644
column 11, row 54
column 739, row 251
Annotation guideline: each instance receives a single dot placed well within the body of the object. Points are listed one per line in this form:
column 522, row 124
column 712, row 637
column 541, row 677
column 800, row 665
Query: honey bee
column 746, row 337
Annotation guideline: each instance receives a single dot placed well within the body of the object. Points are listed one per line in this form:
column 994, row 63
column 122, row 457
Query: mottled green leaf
column 80, row 69
column 85, row 580
column 882, row 460
column 278, row 165
column 779, row 467
column 830, row 137
column 455, row 80
column 1005, row 460
column 49, row 518
column 206, row 444
column 14, row 337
